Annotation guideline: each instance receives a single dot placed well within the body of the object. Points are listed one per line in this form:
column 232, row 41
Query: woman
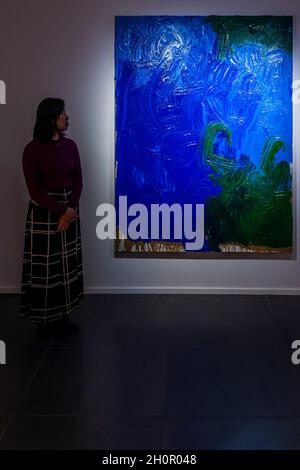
column 52, row 277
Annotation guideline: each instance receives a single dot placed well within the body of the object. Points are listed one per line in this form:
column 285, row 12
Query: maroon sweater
column 48, row 166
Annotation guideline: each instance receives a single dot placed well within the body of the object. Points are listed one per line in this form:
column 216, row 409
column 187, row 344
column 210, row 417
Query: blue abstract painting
column 204, row 116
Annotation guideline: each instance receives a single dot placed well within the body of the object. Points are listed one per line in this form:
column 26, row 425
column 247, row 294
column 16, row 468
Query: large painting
column 204, row 117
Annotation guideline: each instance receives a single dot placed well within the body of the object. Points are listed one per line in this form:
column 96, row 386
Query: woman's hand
column 70, row 214
column 66, row 218
column 63, row 224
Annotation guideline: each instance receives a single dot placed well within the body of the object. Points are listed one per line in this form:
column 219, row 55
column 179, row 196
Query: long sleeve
column 77, row 181
column 35, row 190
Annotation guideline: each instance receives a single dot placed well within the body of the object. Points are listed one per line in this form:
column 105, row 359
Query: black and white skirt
column 52, row 275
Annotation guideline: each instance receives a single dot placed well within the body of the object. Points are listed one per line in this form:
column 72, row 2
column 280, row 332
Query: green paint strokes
column 212, row 130
column 254, row 206
column 271, row 147
column 272, row 31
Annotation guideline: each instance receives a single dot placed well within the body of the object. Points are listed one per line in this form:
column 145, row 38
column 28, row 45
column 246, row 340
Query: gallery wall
column 65, row 48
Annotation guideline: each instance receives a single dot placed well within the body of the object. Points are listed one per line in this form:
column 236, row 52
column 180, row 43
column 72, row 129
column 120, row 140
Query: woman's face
column 62, row 123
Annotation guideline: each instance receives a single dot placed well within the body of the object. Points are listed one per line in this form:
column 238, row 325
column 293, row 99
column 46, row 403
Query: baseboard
column 179, row 290
column 194, row 290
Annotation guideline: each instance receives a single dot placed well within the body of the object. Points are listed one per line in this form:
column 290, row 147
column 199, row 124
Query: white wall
column 65, row 48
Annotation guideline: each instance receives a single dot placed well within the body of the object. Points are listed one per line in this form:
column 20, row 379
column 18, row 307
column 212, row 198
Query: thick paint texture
column 204, row 115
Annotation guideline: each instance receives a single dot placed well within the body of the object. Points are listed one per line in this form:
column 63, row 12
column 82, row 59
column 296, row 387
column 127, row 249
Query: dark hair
column 47, row 112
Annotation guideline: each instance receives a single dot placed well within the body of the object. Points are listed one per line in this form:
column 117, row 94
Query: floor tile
column 231, row 434
column 22, row 361
column 129, row 320
column 84, row 432
column 231, row 386
column 76, row 379
column 286, row 314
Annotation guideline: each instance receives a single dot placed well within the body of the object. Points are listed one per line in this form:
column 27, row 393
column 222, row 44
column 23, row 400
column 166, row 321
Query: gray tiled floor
column 154, row 372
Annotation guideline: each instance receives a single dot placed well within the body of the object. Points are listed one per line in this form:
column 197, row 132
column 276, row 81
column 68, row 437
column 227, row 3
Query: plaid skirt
column 52, row 276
